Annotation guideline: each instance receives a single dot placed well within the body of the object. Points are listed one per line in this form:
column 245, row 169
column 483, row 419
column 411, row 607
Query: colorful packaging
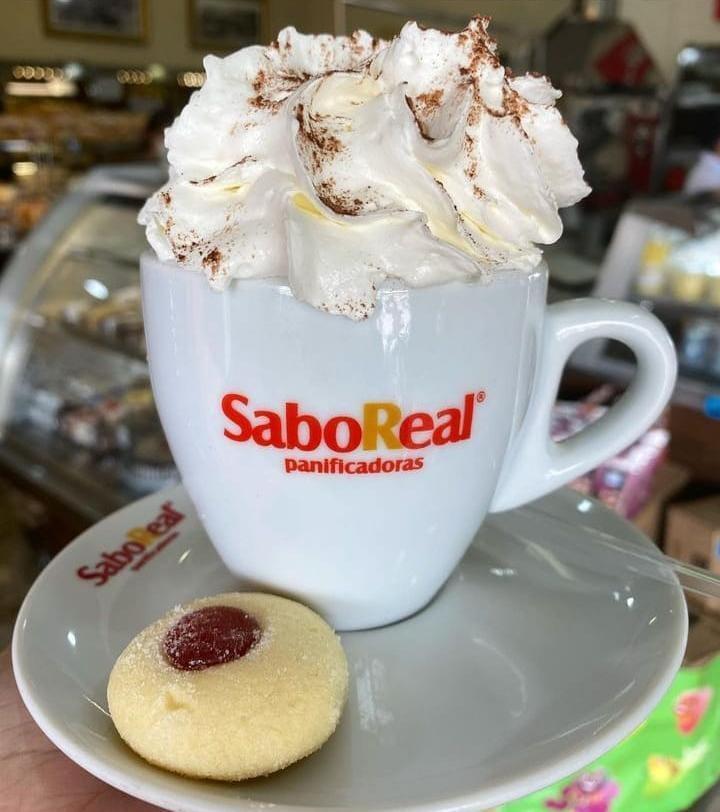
column 623, row 482
column 669, row 762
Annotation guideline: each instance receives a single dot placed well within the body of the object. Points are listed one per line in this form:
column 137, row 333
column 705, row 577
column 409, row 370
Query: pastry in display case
column 76, row 409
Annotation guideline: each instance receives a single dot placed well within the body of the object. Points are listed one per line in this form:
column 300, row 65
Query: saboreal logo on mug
column 381, row 425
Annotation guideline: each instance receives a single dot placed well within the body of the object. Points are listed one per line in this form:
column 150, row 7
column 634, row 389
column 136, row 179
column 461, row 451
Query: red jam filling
column 210, row 636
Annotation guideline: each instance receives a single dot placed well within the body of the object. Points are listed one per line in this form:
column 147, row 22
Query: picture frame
column 118, row 20
column 225, row 25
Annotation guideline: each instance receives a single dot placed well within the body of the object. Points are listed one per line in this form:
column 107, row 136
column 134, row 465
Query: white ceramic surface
column 537, row 656
column 371, row 548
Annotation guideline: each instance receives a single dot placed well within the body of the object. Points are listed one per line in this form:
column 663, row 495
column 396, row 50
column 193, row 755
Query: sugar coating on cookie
column 230, row 687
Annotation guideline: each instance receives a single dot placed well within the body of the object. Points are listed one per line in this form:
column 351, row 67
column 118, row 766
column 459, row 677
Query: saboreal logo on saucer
column 380, row 425
column 141, row 544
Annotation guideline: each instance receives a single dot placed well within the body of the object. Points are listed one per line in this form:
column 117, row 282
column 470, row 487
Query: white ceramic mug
column 351, row 464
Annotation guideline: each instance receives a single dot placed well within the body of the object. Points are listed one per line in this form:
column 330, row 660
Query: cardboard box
column 692, row 535
column 703, row 639
column 694, row 442
column 668, row 482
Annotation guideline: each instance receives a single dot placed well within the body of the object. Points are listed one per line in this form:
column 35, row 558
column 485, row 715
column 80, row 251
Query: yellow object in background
column 651, row 278
column 687, row 286
column 656, row 251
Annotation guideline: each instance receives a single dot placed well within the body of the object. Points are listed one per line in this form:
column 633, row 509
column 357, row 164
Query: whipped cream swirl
column 339, row 162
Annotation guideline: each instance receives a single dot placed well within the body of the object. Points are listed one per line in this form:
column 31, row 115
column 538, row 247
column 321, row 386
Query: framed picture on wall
column 224, row 25
column 106, row 19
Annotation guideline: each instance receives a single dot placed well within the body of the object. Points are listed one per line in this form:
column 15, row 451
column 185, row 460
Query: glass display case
column 76, row 410
column 665, row 255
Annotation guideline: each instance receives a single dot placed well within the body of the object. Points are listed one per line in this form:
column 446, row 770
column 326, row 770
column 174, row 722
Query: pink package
column 623, row 482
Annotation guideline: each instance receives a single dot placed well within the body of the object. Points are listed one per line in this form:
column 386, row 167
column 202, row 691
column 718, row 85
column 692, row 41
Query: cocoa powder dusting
column 340, row 204
column 260, row 101
column 316, row 134
column 420, row 123
column 514, row 104
column 271, row 92
column 202, row 182
column 212, row 261
column 263, row 103
column 184, row 245
column 315, row 139
column 431, row 100
column 355, row 45
column 472, row 166
column 482, row 51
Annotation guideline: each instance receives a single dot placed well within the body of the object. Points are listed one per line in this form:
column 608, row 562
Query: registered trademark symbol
column 480, row 397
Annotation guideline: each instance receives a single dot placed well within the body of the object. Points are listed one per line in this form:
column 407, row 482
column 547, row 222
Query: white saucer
column 537, row 657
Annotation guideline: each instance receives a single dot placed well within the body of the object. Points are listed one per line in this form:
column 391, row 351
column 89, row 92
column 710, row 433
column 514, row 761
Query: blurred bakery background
column 86, row 90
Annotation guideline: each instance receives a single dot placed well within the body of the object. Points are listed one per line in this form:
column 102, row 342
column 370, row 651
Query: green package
column 669, row 762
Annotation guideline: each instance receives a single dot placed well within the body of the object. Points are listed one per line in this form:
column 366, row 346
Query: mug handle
column 536, row 464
